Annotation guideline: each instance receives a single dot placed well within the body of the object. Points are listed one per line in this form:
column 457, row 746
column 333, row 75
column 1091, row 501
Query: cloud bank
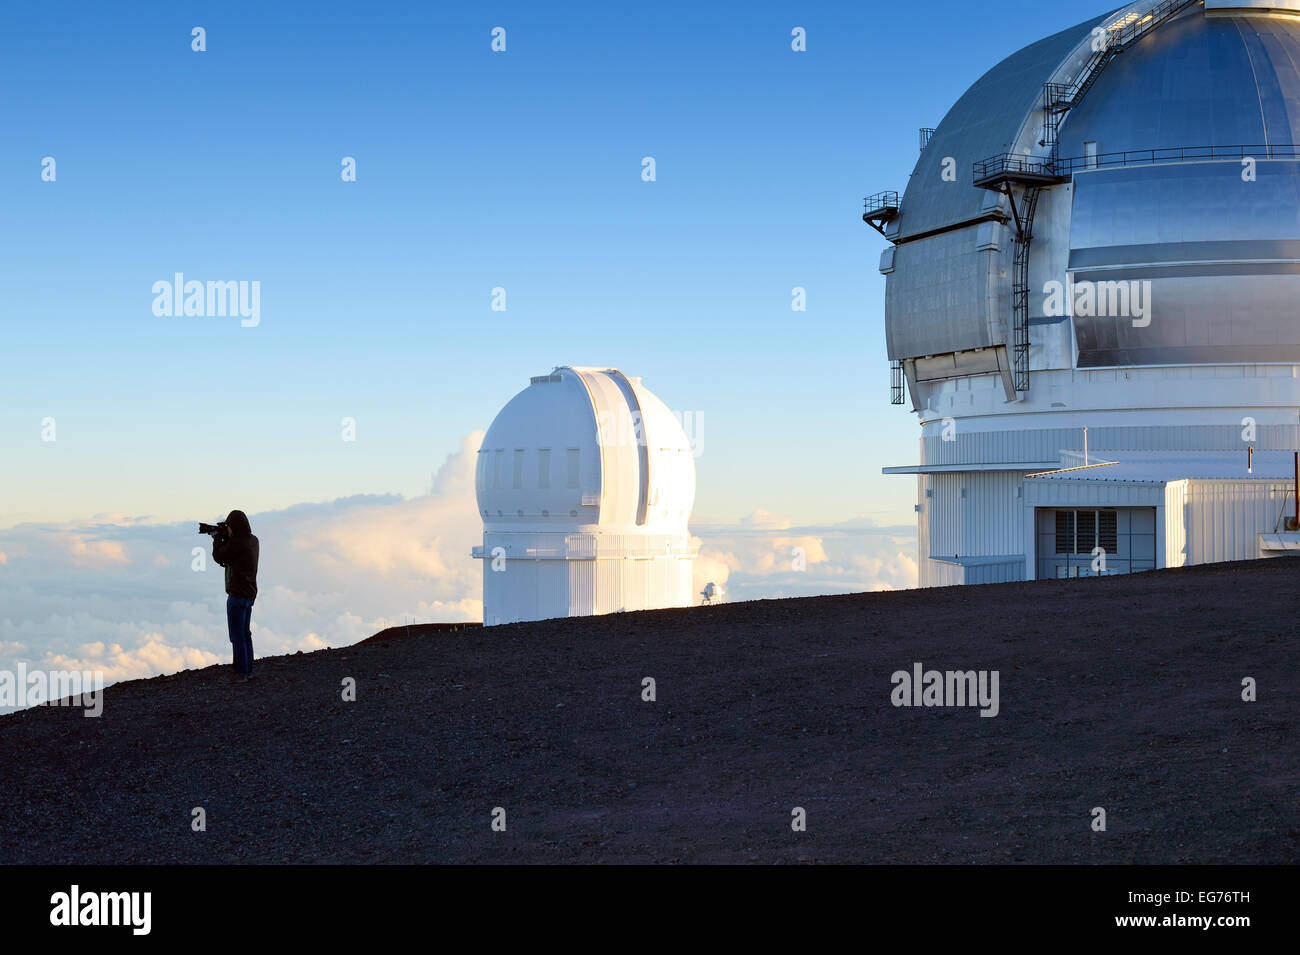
column 765, row 556
column 130, row 599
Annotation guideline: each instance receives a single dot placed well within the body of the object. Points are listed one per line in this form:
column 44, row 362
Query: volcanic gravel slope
column 1123, row 692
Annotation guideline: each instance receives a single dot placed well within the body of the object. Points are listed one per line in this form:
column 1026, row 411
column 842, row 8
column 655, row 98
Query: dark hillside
column 1123, row 693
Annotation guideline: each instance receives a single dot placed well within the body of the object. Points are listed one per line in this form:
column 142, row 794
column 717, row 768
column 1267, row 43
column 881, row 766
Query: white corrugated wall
column 649, row 583
column 582, row 587
column 999, row 573
column 1175, row 524
column 945, row 575
column 1082, row 492
column 947, row 530
column 525, row 590
column 991, row 514
column 986, row 522
column 1042, row 445
column 1225, row 518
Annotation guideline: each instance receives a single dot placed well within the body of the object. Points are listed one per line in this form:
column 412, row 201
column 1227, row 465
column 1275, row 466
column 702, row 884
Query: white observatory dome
column 585, row 483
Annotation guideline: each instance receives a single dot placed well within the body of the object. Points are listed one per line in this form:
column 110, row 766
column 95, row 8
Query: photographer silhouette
column 236, row 549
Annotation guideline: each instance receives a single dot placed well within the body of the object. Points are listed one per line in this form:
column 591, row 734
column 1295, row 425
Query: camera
column 218, row 531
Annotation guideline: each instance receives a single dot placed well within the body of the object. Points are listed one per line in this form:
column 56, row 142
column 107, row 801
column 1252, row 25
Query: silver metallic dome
column 1196, row 81
column 1148, row 187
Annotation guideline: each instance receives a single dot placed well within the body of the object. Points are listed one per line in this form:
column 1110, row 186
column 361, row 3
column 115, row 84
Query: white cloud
column 87, row 551
column 766, row 555
column 766, row 520
column 116, row 663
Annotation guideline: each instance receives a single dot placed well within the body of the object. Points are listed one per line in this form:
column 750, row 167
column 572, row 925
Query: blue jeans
column 239, row 616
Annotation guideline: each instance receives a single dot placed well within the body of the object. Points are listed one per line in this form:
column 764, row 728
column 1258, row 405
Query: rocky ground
column 1122, row 693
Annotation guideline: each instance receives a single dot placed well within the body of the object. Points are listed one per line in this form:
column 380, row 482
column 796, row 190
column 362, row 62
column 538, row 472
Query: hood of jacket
column 239, row 526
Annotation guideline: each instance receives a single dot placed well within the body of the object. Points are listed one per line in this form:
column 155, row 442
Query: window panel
column 1065, row 532
column 1107, row 533
column 1085, row 538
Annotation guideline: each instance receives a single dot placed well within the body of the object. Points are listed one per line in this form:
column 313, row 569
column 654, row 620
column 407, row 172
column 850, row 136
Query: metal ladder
column 1020, row 285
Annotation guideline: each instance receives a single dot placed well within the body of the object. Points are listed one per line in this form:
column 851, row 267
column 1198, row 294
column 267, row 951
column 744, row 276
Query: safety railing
column 1010, row 165
column 1174, row 154
column 1013, row 166
column 880, row 204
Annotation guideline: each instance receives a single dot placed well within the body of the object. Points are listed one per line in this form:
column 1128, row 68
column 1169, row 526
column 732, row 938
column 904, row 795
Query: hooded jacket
column 238, row 554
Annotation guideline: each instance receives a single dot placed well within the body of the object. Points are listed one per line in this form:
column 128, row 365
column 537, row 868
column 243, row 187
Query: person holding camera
column 235, row 548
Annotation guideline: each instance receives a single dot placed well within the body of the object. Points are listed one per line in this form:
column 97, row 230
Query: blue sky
column 475, row 170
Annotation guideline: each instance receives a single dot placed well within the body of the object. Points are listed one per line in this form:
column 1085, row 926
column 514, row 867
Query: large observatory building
column 585, row 482
column 1093, row 299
